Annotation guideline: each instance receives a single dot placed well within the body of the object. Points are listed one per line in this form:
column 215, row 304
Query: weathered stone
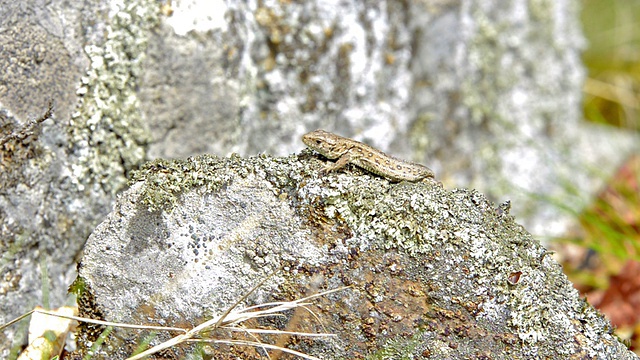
column 431, row 271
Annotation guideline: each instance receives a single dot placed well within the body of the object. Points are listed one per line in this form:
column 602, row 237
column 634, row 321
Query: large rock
column 432, row 272
column 449, row 83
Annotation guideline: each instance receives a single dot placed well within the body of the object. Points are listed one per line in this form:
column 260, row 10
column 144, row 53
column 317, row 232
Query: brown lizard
column 349, row 151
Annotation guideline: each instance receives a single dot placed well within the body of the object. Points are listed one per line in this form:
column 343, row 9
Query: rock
column 132, row 81
column 431, row 272
column 58, row 183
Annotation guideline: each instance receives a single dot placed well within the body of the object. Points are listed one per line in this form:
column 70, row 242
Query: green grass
column 612, row 29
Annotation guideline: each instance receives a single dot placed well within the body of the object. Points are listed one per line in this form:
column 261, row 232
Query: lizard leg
column 351, row 156
column 342, row 162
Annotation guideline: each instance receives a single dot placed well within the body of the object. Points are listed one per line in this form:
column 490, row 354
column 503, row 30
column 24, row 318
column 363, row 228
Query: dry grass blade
column 278, row 332
column 93, row 321
column 229, row 319
column 224, row 315
column 263, row 345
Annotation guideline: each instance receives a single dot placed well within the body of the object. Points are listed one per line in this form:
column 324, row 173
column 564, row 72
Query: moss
column 86, row 333
column 78, row 287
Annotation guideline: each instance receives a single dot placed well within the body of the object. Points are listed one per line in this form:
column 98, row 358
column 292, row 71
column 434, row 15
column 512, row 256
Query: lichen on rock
column 431, row 271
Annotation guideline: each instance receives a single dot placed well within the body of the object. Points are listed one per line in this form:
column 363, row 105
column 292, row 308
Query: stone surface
column 488, row 95
column 484, row 93
column 432, row 272
column 58, row 182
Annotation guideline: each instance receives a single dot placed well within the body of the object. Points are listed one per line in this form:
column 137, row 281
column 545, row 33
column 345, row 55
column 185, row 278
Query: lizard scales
column 349, row 151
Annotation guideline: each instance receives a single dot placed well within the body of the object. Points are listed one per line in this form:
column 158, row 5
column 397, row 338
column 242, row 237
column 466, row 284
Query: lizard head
column 327, row 144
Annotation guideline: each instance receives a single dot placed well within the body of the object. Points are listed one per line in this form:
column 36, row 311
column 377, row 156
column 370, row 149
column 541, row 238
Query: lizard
column 349, row 151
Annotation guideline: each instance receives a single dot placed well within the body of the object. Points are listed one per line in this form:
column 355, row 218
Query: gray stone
column 60, row 180
column 432, row 272
column 468, row 88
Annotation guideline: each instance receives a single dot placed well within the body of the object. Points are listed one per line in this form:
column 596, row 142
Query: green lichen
column 107, row 131
column 455, row 248
column 374, row 209
column 484, row 87
column 165, row 180
column 398, row 349
column 480, row 245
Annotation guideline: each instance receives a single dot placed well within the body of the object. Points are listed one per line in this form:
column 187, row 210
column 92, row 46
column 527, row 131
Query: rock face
column 432, row 272
column 132, row 80
column 59, row 179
